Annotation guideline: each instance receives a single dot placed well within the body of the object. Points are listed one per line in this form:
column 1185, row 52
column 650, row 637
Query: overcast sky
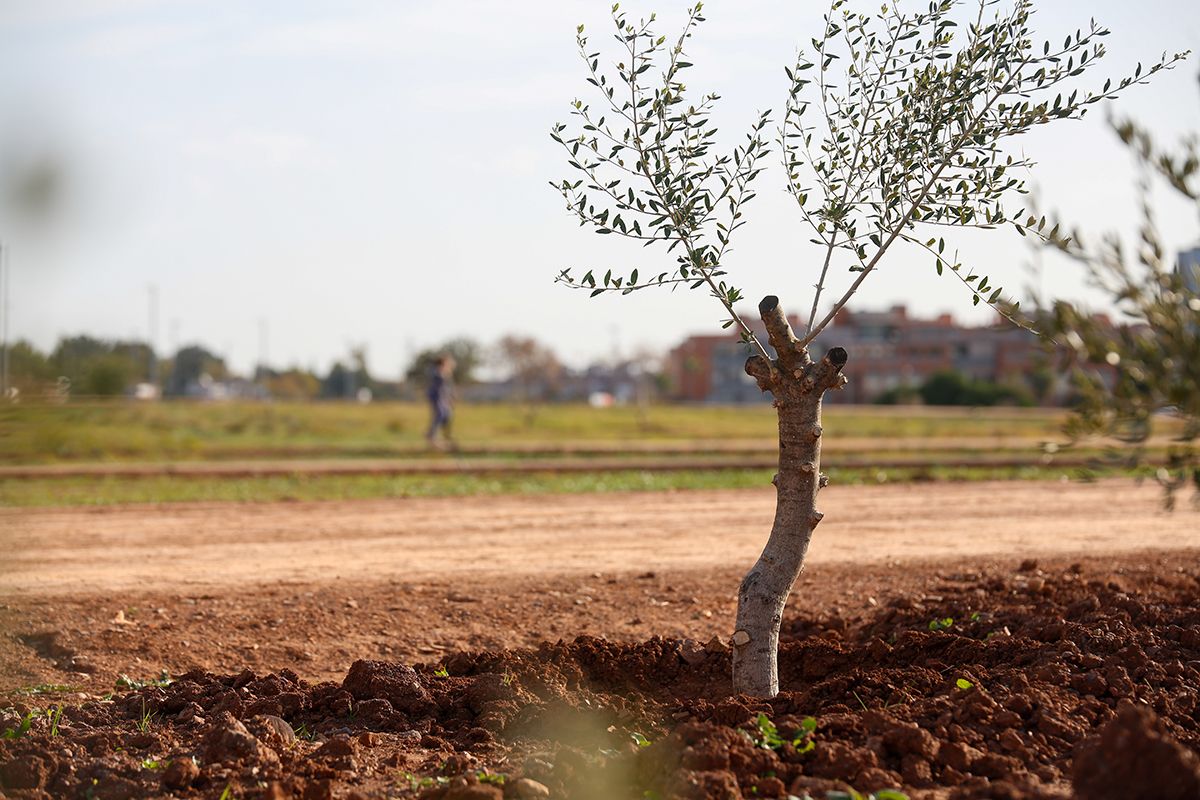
column 376, row 172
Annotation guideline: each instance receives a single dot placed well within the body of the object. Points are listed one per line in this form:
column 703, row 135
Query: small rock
column 692, row 652
column 335, row 748
column 528, row 789
column 1028, row 565
column 369, row 739
column 180, row 773
column 274, row 729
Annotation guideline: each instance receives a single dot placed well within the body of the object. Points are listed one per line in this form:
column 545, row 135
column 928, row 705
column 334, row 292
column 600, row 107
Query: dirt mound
column 986, row 686
column 1134, row 757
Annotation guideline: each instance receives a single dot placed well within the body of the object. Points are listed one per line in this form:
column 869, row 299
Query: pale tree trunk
column 797, row 383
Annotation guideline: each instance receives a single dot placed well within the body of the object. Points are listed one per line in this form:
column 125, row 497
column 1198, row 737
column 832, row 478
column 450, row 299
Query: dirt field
column 283, row 599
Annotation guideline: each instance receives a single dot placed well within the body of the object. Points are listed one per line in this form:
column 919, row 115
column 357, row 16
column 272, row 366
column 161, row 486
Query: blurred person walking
column 441, row 401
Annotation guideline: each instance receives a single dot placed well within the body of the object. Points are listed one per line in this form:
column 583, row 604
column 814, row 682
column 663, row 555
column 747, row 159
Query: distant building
column 888, row 350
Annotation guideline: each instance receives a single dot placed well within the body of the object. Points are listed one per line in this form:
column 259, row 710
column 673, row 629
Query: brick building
column 888, row 349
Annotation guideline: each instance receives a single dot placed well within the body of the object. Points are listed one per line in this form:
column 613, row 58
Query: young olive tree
column 1153, row 360
column 894, row 126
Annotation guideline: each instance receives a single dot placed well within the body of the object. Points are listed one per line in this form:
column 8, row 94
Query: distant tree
column 952, row 388
column 1128, row 375
column 339, row 383
column 908, row 138
column 189, row 365
column 345, row 380
column 100, row 366
column 467, row 355
column 73, row 356
column 290, row 384
column 30, row 370
column 106, row 376
column 533, row 368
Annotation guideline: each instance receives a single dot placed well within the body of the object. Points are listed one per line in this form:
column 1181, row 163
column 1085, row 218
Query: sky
column 296, row 178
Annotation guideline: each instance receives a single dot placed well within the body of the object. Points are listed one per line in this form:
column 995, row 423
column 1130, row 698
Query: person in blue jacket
column 441, row 400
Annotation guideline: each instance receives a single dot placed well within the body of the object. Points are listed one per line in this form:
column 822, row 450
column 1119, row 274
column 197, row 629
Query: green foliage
column 417, row 782
column 647, row 168
column 441, row 672
column 910, row 116
column 54, row 716
column 639, row 739
column 769, row 738
column 48, row 688
column 952, row 388
column 964, row 684
column 22, row 728
column 93, row 366
column 467, row 355
column 188, row 368
column 493, row 778
column 943, row 624
column 1132, row 376
column 125, row 682
column 146, row 718
column 852, row 794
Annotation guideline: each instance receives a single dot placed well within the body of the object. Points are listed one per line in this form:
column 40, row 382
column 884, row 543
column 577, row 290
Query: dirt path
column 58, row 551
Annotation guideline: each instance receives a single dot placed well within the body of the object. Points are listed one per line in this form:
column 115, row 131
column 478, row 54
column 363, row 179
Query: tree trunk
column 798, row 384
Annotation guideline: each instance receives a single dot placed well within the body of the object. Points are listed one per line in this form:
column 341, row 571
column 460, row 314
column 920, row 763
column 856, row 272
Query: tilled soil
column 1008, row 680
column 571, row 647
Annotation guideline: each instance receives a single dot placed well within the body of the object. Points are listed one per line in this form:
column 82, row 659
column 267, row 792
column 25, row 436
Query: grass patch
column 123, row 430
column 167, row 489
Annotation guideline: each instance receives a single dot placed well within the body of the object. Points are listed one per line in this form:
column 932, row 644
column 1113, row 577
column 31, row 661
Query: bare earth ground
column 91, row 594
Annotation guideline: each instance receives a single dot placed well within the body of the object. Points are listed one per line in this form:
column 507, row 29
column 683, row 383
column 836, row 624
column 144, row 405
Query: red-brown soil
column 1070, row 675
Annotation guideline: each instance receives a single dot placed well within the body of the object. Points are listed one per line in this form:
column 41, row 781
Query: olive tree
column 1125, row 375
column 894, row 126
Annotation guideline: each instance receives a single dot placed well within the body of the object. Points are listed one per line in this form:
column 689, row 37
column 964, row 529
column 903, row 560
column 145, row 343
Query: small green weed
column 494, row 778
column 416, row 782
column 22, row 728
column 48, row 688
column 54, row 715
column 442, row 672
column 964, row 684
column 302, row 732
column 227, row 794
column 639, row 739
column 125, row 682
column 146, row 719
column 882, row 794
column 768, row 735
column 153, row 763
column 944, row 624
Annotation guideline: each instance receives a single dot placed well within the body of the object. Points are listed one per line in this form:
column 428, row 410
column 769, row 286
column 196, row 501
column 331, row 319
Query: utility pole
column 5, row 284
column 152, row 372
column 264, row 337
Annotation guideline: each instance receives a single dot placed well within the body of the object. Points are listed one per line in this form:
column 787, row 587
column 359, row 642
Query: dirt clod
column 180, row 774
column 396, row 683
column 1134, row 757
